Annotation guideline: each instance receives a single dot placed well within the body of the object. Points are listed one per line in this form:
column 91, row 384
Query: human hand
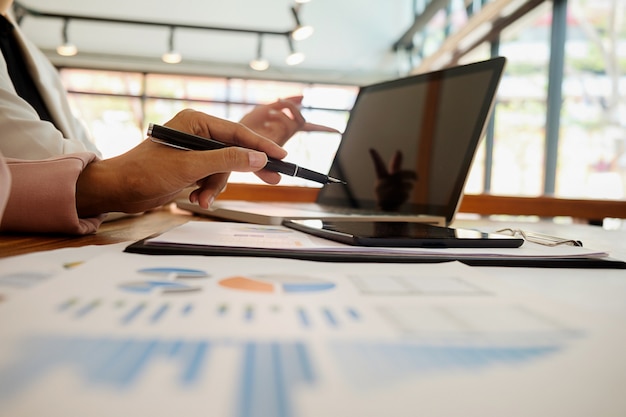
column 280, row 120
column 393, row 184
column 151, row 174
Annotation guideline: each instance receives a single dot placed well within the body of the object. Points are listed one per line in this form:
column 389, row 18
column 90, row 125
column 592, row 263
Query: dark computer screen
column 409, row 143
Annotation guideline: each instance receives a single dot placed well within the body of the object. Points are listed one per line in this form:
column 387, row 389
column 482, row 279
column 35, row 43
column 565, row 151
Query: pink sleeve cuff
column 43, row 196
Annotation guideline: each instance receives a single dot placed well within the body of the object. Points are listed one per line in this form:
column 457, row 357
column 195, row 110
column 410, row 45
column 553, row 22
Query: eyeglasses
column 540, row 238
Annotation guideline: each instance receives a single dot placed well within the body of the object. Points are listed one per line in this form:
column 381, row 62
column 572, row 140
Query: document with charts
column 127, row 334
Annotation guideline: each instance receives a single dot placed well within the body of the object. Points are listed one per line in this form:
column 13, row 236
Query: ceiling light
column 301, row 31
column 67, row 48
column 171, row 56
column 294, row 58
column 259, row 63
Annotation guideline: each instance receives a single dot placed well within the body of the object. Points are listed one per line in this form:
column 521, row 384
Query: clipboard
column 145, row 248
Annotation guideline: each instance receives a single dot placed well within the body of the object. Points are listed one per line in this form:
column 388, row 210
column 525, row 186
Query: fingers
column 208, row 190
column 294, row 99
column 219, row 164
column 229, row 159
column 396, row 162
column 379, row 164
column 312, row 127
column 226, row 131
column 244, row 160
column 292, row 106
column 245, row 137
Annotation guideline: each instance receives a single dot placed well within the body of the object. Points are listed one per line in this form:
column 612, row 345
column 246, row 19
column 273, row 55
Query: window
column 118, row 106
column 585, row 156
column 520, row 116
column 592, row 145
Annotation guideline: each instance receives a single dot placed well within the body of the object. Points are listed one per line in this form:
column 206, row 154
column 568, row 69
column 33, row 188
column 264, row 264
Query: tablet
column 402, row 234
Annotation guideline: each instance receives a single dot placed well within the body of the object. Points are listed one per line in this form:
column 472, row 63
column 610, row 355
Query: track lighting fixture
column 259, row 63
column 66, row 48
column 294, row 58
column 171, row 56
column 301, row 31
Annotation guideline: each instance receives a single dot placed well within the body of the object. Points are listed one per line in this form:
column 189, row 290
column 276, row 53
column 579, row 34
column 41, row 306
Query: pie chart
column 146, row 287
column 174, row 272
column 277, row 283
column 164, row 280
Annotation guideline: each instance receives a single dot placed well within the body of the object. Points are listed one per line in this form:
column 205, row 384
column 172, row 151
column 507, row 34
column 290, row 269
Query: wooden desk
column 134, row 228
column 122, row 230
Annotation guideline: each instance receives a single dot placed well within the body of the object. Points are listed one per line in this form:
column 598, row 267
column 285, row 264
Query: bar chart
column 268, row 373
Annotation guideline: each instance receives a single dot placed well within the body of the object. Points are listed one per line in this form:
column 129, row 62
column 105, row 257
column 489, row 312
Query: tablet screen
column 402, row 234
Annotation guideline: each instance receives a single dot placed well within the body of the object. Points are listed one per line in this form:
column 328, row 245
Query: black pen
column 181, row 140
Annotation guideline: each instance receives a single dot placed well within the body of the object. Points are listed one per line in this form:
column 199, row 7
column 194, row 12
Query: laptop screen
column 409, row 143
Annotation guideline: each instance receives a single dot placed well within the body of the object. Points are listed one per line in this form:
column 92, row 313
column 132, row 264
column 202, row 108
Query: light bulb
column 295, row 58
column 259, row 64
column 302, row 32
column 67, row 49
column 171, row 57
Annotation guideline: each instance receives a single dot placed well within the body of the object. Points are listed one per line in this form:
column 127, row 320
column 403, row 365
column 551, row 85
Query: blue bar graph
column 330, row 317
column 249, row 313
column 187, row 309
column 133, row 313
column 160, row 312
column 270, row 370
column 67, row 304
column 117, row 363
column 303, row 317
column 353, row 314
column 86, row 309
column 376, row 364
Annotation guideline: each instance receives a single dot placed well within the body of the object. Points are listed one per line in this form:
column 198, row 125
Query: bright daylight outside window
column 592, row 137
column 117, row 106
column 592, row 149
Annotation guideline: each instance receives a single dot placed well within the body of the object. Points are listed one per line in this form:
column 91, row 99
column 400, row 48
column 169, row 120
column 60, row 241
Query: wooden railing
column 483, row 204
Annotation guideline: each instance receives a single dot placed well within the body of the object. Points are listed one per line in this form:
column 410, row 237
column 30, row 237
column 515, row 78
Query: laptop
column 405, row 154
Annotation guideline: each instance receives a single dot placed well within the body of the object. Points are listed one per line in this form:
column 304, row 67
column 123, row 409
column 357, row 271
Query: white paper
column 128, row 334
column 19, row 273
column 280, row 237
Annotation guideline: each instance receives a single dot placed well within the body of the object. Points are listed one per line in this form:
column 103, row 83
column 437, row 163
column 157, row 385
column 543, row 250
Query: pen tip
column 337, row 181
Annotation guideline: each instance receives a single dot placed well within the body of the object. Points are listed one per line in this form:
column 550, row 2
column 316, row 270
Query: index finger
column 292, row 107
column 313, row 127
column 202, row 124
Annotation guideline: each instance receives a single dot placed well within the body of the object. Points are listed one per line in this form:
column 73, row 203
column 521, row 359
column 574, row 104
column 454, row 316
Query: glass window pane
column 106, row 82
column 119, row 123
column 476, row 178
column 161, row 110
column 518, row 159
column 330, row 96
column 186, row 87
column 592, row 145
column 259, row 91
column 114, row 122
